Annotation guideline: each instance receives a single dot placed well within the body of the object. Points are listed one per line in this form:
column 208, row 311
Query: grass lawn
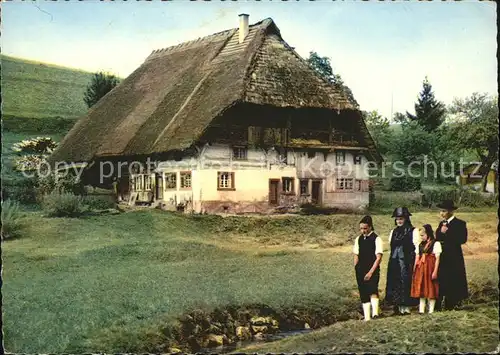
column 52, row 90
column 102, row 283
column 445, row 332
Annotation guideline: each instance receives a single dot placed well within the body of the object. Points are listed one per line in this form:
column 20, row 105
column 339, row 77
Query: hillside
column 38, row 90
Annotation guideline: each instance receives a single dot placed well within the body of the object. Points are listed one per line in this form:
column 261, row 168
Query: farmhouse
column 232, row 122
column 471, row 178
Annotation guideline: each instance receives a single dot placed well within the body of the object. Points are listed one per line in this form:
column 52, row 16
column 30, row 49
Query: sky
column 382, row 50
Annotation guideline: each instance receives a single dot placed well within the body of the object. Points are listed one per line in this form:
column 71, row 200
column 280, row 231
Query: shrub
column 63, row 204
column 38, row 145
column 21, row 190
column 99, row 202
column 461, row 197
column 10, row 219
column 405, row 183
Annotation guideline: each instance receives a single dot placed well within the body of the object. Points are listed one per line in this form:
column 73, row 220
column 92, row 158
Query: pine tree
column 99, row 86
column 429, row 113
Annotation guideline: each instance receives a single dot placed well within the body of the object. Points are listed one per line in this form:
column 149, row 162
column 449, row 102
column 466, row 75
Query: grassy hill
column 37, row 90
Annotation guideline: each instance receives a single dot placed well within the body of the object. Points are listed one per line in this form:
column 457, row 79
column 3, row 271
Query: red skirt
column 422, row 285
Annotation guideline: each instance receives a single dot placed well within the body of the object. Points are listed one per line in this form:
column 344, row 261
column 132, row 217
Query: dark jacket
column 451, row 274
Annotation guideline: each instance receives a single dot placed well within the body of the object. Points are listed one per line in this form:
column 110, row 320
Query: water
column 224, row 349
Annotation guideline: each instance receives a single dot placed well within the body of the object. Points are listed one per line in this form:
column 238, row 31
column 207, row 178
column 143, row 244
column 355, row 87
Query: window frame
column 231, row 177
column 341, row 184
column 292, row 185
column 239, row 149
column 166, row 185
column 188, row 173
column 339, row 153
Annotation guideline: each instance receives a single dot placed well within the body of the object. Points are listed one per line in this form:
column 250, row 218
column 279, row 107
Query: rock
column 264, row 324
column 175, row 351
column 215, row 340
column 260, row 328
column 307, row 326
column 243, row 333
column 260, row 336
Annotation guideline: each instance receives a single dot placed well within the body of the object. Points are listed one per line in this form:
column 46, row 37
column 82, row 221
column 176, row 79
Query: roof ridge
column 228, row 32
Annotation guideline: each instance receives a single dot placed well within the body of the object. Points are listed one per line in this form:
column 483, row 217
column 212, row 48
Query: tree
column 100, row 85
column 323, row 66
column 379, row 129
column 477, row 129
column 429, row 113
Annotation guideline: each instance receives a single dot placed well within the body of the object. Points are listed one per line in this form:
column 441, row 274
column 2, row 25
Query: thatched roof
column 168, row 102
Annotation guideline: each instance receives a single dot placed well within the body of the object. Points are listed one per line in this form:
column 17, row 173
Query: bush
column 10, row 219
column 461, row 197
column 21, row 190
column 405, row 183
column 63, row 204
column 99, row 202
column 393, row 199
column 36, row 125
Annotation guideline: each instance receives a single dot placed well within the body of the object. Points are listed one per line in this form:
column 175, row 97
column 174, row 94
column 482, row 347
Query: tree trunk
column 495, row 183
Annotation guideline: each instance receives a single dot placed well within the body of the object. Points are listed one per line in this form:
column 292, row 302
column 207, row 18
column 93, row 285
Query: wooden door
column 273, row 191
column 159, row 186
column 316, row 192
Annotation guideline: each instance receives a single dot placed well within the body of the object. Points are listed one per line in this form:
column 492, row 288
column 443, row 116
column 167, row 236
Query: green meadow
column 38, row 90
column 114, row 283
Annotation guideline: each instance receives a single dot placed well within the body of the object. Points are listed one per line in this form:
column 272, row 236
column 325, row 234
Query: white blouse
column 378, row 245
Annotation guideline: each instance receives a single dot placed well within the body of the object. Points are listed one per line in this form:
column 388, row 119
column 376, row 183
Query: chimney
column 243, row 27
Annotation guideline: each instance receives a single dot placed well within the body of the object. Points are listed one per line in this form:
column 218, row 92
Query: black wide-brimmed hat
column 447, row 205
column 401, row 212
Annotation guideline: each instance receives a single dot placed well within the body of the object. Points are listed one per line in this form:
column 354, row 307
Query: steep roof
column 169, row 101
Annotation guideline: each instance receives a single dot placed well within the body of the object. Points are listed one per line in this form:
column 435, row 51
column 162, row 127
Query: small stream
column 225, row 349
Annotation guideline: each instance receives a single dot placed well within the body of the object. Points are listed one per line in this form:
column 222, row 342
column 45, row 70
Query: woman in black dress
column 403, row 241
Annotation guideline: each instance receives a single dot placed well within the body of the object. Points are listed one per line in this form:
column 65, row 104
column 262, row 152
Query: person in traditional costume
column 451, row 233
column 404, row 241
column 425, row 273
column 368, row 251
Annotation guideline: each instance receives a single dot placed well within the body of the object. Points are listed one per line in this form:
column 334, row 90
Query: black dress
column 366, row 258
column 400, row 269
column 451, row 274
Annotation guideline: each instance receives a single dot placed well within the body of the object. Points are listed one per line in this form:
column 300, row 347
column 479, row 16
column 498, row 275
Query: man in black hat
column 451, row 233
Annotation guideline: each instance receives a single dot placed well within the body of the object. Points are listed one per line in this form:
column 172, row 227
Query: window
column 304, row 187
column 340, row 157
column 311, row 155
column 239, row 153
column 225, row 180
column 185, row 180
column 287, row 184
column 357, row 158
column 147, row 182
column 359, row 185
column 171, row 181
column 138, row 182
column 344, row 184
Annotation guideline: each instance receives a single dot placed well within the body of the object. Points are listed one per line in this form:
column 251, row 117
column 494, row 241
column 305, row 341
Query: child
column 367, row 256
column 425, row 276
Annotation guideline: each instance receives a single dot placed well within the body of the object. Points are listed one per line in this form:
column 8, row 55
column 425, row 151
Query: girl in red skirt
column 425, row 273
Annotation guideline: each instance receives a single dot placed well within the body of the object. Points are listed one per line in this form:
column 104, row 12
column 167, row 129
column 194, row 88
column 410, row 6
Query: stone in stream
column 243, row 333
column 264, row 325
